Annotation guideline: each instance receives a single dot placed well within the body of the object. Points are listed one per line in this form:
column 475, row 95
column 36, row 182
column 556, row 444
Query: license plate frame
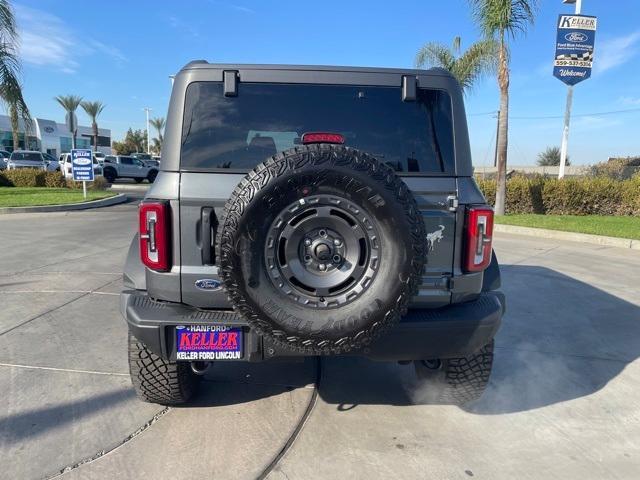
column 206, row 343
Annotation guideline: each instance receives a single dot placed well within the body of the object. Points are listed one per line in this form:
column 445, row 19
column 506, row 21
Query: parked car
column 4, row 159
column 100, row 157
column 53, row 165
column 27, row 159
column 295, row 226
column 65, row 163
column 147, row 159
column 125, row 166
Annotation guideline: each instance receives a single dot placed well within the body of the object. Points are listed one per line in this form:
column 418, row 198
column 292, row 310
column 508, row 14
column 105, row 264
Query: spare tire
column 321, row 248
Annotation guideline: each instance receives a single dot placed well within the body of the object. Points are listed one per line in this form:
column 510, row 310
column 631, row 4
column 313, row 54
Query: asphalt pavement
column 562, row 401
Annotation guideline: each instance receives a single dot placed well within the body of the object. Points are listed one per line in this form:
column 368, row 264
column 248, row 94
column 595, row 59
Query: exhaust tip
column 200, row 368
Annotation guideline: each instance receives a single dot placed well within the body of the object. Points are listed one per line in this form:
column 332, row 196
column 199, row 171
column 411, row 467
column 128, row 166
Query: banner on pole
column 574, row 48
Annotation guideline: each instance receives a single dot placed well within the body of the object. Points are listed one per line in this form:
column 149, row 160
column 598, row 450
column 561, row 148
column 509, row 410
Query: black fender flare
column 134, row 275
column 491, row 276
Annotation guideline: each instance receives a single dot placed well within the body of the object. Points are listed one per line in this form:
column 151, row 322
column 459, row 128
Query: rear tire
column 156, row 380
column 110, row 175
column 456, row 381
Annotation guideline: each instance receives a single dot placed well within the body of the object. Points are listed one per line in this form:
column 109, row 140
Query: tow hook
column 200, row 368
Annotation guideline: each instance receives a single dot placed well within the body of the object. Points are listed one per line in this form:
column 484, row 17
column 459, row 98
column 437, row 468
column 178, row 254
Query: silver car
column 28, row 159
column 4, row 159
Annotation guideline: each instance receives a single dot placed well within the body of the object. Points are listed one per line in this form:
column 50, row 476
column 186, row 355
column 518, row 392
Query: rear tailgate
column 202, row 199
column 435, row 197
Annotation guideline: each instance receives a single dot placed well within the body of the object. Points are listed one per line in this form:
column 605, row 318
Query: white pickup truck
column 123, row 166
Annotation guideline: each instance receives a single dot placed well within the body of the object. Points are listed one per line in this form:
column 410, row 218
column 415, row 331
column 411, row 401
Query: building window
column 102, row 140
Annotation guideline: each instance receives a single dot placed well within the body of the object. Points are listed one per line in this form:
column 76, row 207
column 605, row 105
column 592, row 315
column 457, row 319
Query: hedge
column 569, row 196
column 30, row 177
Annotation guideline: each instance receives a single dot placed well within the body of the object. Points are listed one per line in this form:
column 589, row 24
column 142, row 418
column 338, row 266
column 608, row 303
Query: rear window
column 239, row 132
column 28, row 156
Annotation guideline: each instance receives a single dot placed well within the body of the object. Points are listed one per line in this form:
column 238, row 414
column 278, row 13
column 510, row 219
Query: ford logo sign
column 82, row 161
column 576, row 37
column 208, row 284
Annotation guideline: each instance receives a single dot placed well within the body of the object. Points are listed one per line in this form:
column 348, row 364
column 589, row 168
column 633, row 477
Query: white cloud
column 631, row 101
column 46, row 41
column 616, row 51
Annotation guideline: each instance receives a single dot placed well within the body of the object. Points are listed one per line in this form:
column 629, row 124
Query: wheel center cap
column 323, row 252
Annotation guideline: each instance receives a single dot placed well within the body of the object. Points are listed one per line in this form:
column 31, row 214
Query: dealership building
column 52, row 137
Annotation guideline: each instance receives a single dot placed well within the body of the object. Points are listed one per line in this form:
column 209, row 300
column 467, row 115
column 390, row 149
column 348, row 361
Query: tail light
column 479, row 235
column 155, row 235
column 322, row 137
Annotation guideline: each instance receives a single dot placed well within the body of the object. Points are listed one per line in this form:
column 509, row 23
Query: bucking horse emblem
column 434, row 237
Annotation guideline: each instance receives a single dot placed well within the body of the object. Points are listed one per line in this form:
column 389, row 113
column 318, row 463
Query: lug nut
column 337, row 242
column 323, row 233
column 307, row 258
column 322, row 267
column 307, row 241
column 337, row 259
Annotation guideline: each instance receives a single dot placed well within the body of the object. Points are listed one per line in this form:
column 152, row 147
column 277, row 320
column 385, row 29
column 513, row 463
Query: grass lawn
column 623, row 227
column 27, row 196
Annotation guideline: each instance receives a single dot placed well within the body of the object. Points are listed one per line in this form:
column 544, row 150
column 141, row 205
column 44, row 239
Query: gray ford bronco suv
column 310, row 211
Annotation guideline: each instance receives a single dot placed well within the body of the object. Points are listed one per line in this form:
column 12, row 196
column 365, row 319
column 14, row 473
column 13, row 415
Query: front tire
column 456, row 381
column 138, row 180
column 110, row 175
column 152, row 176
column 156, row 380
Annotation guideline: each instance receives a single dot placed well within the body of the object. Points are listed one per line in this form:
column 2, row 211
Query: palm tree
column 10, row 88
column 70, row 103
column 499, row 19
column 158, row 124
column 93, row 109
column 468, row 67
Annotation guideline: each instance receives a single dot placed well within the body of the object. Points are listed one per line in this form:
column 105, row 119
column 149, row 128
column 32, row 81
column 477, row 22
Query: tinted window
column 109, row 159
column 239, row 132
column 29, row 156
column 126, row 160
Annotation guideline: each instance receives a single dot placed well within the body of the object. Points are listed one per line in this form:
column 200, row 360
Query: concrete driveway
column 563, row 400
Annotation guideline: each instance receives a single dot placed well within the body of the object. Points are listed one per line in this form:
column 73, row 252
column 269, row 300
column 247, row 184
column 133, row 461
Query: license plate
column 208, row 342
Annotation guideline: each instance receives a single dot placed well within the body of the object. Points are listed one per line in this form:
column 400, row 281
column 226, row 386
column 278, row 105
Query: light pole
column 147, row 110
column 567, row 111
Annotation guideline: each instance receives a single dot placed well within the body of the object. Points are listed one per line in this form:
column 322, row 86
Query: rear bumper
column 453, row 331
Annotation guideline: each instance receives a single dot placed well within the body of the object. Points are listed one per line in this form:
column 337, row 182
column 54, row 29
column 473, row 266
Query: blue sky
column 122, row 53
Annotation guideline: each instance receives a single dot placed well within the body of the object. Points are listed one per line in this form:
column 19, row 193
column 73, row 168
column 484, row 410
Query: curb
column 126, row 186
column 569, row 236
column 104, row 202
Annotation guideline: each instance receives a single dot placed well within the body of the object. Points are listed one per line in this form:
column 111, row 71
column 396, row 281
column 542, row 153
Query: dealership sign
column 82, row 164
column 574, row 48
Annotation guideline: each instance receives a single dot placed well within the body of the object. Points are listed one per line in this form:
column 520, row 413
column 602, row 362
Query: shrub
column 54, row 180
column 524, row 195
column 98, row 184
column 25, row 177
column 581, row 196
column 630, row 196
column 4, row 181
column 569, row 196
column 488, row 189
column 617, row 168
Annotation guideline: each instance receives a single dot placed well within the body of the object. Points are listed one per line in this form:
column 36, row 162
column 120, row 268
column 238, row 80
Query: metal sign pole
column 567, row 116
column 84, row 189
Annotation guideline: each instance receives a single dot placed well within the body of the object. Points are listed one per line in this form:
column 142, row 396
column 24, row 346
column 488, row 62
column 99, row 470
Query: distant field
column 623, row 227
column 26, row 196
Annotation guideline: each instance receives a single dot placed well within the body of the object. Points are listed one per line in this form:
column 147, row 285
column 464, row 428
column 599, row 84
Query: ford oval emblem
column 576, row 37
column 208, row 284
